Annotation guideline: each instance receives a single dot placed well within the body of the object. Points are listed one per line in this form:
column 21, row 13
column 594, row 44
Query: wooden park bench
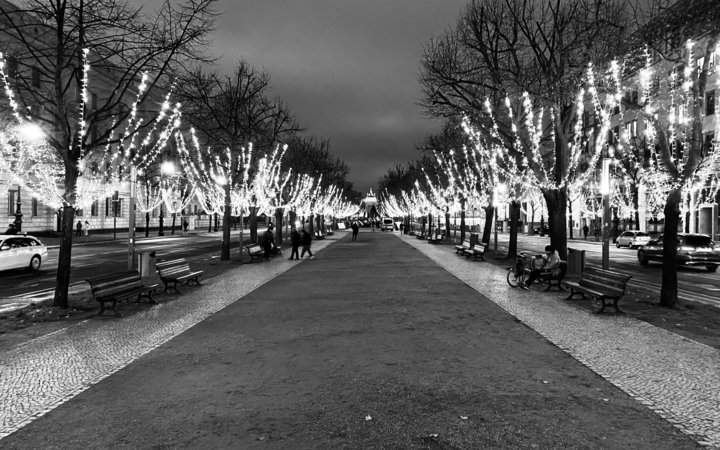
column 555, row 280
column 436, row 237
column 120, row 286
column 601, row 285
column 477, row 251
column 460, row 249
column 255, row 251
column 178, row 270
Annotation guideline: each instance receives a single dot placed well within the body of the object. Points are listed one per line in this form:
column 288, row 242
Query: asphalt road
column 95, row 259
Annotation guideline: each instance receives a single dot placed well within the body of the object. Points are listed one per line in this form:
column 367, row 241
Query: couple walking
column 296, row 239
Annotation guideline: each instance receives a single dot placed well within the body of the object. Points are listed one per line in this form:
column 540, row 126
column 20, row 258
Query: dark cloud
column 348, row 69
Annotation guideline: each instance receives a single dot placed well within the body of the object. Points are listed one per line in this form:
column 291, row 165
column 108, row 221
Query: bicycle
column 522, row 268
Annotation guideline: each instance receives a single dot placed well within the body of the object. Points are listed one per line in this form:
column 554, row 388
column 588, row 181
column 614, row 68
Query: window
column 11, row 67
column 119, row 207
column 35, row 77
column 710, row 103
column 107, row 207
column 94, row 208
column 708, row 144
column 616, row 110
column 11, row 203
column 34, row 207
column 79, row 212
column 631, row 129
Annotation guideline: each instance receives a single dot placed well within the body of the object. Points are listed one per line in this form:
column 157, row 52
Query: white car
column 21, row 251
column 632, row 239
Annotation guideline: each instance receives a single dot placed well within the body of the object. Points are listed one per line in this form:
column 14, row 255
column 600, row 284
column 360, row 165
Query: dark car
column 542, row 231
column 692, row 250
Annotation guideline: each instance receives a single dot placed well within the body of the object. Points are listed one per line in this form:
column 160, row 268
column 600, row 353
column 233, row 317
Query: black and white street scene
column 406, row 224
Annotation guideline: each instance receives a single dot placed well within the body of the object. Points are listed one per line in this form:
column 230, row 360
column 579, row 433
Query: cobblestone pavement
column 676, row 377
column 41, row 374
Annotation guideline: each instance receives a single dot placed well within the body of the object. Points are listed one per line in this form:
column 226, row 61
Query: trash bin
column 576, row 261
column 146, row 263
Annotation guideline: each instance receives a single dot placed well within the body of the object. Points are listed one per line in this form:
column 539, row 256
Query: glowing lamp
column 167, row 168
column 31, row 132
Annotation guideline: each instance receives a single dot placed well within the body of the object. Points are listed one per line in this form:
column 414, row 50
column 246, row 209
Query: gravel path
column 371, row 345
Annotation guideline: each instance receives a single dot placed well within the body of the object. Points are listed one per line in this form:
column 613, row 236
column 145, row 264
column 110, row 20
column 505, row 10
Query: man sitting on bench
column 551, row 263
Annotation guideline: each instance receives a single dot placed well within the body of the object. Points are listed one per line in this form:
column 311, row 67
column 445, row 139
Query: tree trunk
column 462, row 220
column 531, row 225
column 635, row 190
column 292, row 217
column 210, row 218
column 556, row 200
column 215, row 228
column 514, row 217
column 147, row 224
column 669, row 290
column 422, row 225
column 279, row 213
column 570, row 221
column 62, row 278
column 489, row 218
column 430, row 224
column 311, row 225
column 447, row 223
column 161, row 230
column 253, row 224
column 225, row 246
column 406, row 227
column 172, row 227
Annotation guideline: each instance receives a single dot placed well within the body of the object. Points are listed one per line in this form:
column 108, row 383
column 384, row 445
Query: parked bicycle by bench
column 530, row 267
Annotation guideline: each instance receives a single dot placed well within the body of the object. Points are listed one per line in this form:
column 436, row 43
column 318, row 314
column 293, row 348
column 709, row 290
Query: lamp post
column 131, row 218
column 605, row 191
column 115, row 202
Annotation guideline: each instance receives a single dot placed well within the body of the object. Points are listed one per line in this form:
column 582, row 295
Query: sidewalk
column 42, row 374
column 676, row 377
column 371, row 345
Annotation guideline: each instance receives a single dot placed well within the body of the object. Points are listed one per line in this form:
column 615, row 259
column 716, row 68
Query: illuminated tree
column 50, row 43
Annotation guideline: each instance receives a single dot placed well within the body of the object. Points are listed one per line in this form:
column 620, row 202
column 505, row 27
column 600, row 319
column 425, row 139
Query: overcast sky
column 347, row 68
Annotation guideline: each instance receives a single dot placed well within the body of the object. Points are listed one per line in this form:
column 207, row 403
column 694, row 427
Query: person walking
column 86, row 231
column 78, row 229
column 185, row 226
column 295, row 241
column 268, row 241
column 585, row 231
column 306, row 242
column 355, row 230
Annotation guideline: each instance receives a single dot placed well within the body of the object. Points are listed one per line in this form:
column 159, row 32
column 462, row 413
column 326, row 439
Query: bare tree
column 509, row 47
column 49, row 42
column 230, row 112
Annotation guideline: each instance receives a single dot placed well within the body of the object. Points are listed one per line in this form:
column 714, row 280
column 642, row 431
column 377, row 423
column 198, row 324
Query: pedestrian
column 78, row 229
column 86, row 231
column 355, row 230
column 551, row 263
column 11, row 229
column 585, row 231
column 295, row 240
column 185, row 226
column 306, row 242
column 268, row 242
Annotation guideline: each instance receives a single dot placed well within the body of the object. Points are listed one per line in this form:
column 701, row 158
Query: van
column 387, row 224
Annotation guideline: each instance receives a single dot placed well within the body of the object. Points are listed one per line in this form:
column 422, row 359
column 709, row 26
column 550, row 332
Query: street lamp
column 497, row 200
column 605, row 191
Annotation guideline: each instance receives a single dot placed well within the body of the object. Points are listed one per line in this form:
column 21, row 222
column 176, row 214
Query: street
column 96, row 259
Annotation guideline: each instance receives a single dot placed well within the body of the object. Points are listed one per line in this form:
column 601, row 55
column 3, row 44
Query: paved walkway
column 676, row 377
column 371, row 345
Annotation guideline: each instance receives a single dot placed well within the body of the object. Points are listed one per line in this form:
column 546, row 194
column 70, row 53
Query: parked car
column 692, row 249
column 632, row 239
column 21, row 251
column 542, row 231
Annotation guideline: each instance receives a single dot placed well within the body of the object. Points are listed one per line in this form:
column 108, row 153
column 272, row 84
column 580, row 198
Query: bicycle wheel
column 515, row 276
